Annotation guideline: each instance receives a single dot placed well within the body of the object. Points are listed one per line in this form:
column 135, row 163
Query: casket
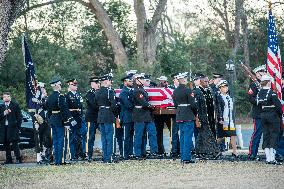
column 161, row 98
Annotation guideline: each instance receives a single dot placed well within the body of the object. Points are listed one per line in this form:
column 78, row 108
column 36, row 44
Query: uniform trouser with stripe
column 280, row 148
column 92, row 137
column 107, row 140
column 119, row 139
column 186, row 133
column 42, row 137
column 128, row 135
column 175, row 137
column 58, row 143
column 138, row 137
column 271, row 130
column 76, row 139
column 255, row 138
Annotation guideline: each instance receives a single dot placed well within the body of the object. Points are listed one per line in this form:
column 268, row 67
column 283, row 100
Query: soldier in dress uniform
column 58, row 118
column 106, row 102
column 74, row 103
column 271, row 115
column 217, row 77
column 196, row 90
column 126, row 105
column 175, row 151
column 142, row 118
column 41, row 128
column 161, row 120
column 256, row 109
column 186, row 110
column 148, row 83
column 92, row 115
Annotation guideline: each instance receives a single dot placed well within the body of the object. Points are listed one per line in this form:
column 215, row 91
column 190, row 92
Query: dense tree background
column 67, row 40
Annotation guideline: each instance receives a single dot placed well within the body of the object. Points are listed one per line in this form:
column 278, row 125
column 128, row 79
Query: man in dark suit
column 11, row 120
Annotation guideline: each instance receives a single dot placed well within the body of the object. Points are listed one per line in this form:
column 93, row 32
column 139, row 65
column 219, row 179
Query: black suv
column 26, row 132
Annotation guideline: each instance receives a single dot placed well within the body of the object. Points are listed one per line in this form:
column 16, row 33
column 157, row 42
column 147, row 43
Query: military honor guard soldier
column 186, row 110
column 92, row 116
column 74, row 102
column 126, row 105
column 271, row 115
column 106, row 102
column 161, row 120
column 143, row 119
column 256, row 110
column 58, row 118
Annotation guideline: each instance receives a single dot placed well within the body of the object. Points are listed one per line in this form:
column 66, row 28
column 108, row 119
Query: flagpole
column 269, row 5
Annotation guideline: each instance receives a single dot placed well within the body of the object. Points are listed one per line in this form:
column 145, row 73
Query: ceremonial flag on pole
column 30, row 73
column 274, row 66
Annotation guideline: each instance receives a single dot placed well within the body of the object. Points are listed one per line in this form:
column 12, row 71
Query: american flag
column 30, row 73
column 274, row 66
column 159, row 97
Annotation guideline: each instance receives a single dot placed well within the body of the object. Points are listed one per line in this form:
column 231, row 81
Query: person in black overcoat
column 10, row 124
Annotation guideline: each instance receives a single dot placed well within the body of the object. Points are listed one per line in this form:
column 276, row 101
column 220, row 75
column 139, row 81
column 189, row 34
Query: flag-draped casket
column 161, row 98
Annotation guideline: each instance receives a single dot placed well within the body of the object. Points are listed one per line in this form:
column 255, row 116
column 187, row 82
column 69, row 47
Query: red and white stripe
column 274, row 69
column 160, row 97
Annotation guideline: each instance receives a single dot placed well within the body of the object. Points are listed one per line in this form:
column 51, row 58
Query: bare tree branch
column 103, row 18
column 50, row 3
column 158, row 13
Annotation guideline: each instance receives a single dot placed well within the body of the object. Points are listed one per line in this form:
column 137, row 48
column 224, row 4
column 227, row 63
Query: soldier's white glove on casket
column 36, row 126
column 73, row 122
column 35, row 100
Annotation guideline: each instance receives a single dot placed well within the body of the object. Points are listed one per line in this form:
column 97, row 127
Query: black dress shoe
column 8, row 162
column 218, row 155
column 252, row 158
column 279, row 157
column 189, row 161
column 18, row 161
column 275, row 163
column 139, row 158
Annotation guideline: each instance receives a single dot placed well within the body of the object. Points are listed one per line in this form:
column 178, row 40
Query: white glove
column 67, row 127
column 35, row 100
column 36, row 126
column 73, row 123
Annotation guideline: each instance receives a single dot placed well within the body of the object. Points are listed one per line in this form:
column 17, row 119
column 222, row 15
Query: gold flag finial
column 269, row 5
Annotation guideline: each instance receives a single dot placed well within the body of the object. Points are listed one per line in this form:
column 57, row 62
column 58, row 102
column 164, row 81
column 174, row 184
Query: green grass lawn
column 144, row 174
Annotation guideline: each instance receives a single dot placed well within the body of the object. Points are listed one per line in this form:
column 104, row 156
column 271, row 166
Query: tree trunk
column 140, row 12
column 245, row 35
column 238, row 13
column 120, row 56
column 152, row 36
column 8, row 12
column 147, row 35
